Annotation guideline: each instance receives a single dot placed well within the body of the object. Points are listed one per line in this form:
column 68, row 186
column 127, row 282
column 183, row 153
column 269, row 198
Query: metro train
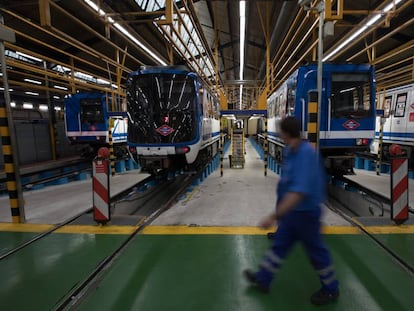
column 173, row 119
column 88, row 119
column 397, row 105
column 347, row 116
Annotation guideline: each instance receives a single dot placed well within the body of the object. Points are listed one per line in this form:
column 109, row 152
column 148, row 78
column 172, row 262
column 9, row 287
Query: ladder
column 237, row 148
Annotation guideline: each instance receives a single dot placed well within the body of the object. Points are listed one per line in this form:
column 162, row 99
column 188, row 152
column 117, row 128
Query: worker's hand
column 267, row 221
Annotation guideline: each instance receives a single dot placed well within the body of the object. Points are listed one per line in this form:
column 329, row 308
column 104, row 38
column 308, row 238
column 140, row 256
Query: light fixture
column 60, row 87
column 27, row 106
column 102, row 81
column 13, row 104
column 126, row 32
column 32, row 81
column 56, row 97
column 242, row 36
column 242, row 8
column 32, row 93
column 29, row 56
column 371, row 21
column 43, row 107
column 57, row 108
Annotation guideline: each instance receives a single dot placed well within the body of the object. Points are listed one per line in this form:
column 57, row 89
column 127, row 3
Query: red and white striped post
column 399, row 185
column 100, row 185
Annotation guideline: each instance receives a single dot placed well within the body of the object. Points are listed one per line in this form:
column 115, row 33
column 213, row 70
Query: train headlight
column 182, row 150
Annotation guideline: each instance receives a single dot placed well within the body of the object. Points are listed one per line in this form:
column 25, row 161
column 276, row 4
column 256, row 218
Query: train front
column 163, row 126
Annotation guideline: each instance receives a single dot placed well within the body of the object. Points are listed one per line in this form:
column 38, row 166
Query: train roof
column 180, row 69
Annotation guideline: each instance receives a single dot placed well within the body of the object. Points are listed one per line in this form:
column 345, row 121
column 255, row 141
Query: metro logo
column 351, row 125
column 165, row 130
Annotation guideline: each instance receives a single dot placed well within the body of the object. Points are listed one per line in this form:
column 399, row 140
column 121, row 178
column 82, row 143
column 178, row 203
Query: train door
column 388, row 115
column 310, row 86
column 401, row 117
column 410, row 116
column 325, row 114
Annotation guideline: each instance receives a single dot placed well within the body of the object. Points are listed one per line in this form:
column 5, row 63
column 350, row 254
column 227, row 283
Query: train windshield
column 350, row 95
column 161, row 108
column 91, row 111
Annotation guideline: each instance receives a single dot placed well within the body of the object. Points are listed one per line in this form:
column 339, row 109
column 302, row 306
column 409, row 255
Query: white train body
column 397, row 120
column 173, row 119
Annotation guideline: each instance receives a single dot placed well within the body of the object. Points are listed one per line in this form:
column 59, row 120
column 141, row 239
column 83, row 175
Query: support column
column 8, row 138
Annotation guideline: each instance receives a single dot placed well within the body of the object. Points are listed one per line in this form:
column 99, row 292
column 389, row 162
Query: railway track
column 71, row 220
column 348, row 211
column 144, row 201
column 149, row 205
column 48, row 174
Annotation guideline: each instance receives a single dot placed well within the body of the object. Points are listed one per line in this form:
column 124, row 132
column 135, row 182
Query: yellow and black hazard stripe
column 313, row 118
column 221, row 145
column 111, row 147
column 9, row 164
column 265, row 147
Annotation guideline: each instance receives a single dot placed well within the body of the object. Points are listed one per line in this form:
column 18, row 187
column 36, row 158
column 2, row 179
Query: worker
column 301, row 191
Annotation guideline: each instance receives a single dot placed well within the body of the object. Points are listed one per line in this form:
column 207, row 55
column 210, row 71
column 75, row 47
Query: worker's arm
column 288, row 203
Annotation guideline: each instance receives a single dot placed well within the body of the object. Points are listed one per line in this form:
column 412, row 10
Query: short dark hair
column 291, row 126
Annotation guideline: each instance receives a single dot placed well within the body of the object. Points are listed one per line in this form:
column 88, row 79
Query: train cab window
column 350, row 95
column 387, row 106
column 282, row 106
column 291, row 97
column 163, row 99
column 400, row 105
column 91, row 111
column 277, row 107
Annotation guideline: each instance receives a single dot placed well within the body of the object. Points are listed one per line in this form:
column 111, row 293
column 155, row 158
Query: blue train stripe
column 395, row 135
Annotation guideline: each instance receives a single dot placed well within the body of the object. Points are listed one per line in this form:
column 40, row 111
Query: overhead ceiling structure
column 85, row 45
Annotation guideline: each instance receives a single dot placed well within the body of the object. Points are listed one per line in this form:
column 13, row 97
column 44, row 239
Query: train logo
column 165, row 130
column 351, row 124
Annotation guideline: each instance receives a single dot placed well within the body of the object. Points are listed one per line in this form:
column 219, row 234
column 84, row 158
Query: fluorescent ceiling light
column 27, row 106
column 43, row 107
column 58, row 108
column 29, row 56
column 60, row 87
column 242, row 7
column 56, row 97
column 32, row 93
column 371, row 21
column 13, row 104
column 242, row 36
column 391, row 5
column 125, row 32
column 102, row 81
column 32, row 81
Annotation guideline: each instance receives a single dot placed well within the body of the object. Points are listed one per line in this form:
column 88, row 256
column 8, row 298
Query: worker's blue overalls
column 301, row 173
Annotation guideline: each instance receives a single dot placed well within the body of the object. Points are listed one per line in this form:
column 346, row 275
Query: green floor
column 43, row 273
column 201, row 272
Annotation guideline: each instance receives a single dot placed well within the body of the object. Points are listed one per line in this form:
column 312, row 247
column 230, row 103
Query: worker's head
column 290, row 128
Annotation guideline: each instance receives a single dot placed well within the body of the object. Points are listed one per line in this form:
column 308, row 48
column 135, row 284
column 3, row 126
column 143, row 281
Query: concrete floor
column 54, row 204
column 241, row 197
